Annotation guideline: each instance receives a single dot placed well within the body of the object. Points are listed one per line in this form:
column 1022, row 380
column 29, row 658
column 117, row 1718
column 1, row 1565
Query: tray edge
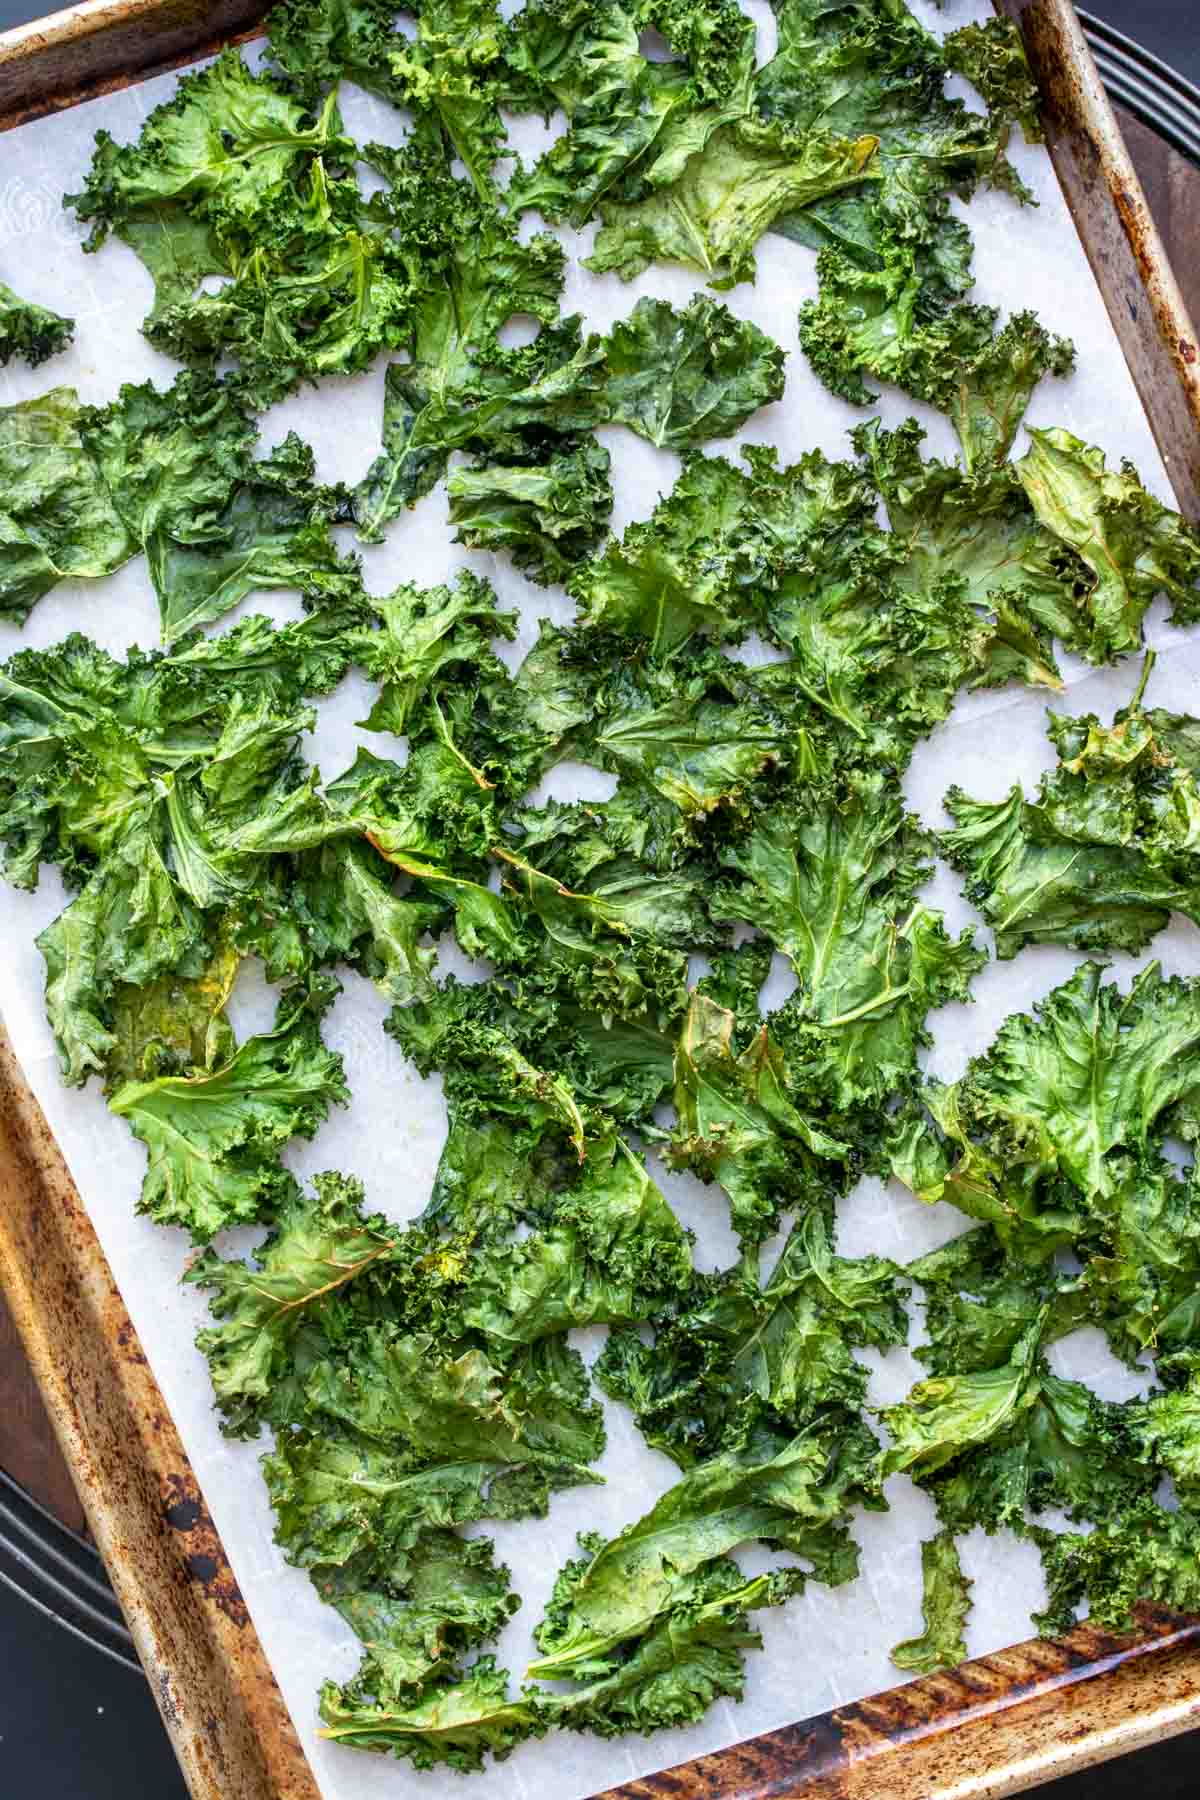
column 218, row 1698
column 89, row 49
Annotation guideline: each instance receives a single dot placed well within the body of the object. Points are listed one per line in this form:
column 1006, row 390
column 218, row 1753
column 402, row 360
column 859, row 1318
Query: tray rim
column 995, row 1726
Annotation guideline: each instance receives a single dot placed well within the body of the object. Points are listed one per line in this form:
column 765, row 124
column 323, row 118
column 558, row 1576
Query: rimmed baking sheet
column 831, row 1646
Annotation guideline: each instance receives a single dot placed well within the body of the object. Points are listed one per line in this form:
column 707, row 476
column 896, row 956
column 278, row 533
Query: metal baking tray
column 995, row 1726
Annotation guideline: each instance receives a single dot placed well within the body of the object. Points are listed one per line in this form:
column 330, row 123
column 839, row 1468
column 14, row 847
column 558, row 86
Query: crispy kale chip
column 237, row 178
column 1133, row 547
column 549, row 515
column 168, row 793
column 750, row 172
column 318, row 1245
column 739, row 1124
column 790, row 1491
column 213, row 1135
column 1006, row 1440
column 974, row 540
column 832, row 881
column 1104, row 854
column 1056, row 1139
column 894, row 261
column 676, row 378
column 729, row 1348
column 172, row 475
column 29, row 331
column 945, row 1604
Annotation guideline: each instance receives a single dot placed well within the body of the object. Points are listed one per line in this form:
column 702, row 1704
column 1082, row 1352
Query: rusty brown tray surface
column 995, row 1726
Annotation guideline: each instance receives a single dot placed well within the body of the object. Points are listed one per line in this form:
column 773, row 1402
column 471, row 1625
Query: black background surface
column 77, row 1726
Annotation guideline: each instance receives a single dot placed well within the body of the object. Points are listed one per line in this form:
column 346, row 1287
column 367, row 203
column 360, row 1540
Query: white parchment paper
column 832, row 1645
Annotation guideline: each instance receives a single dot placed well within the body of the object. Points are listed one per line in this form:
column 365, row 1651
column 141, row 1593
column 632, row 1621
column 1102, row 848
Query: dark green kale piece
column 677, row 378
column 832, row 879
column 1133, row 547
column 213, row 1136
column 170, row 474
column 1056, row 1139
column 168, row 789
column 236, row 177
column 729, row 1348
column 29, row 331
column 793, row 1492
column 1104, row 854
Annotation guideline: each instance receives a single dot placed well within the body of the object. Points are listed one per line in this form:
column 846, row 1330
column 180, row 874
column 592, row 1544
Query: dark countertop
column 80, row 1726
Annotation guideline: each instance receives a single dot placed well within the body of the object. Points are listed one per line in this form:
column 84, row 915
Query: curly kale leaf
column 1056, row 1138
column 992, row 57
column 476, row 1041
column 1012, row 1439
column 58, row 519
column 862, row 68
column 790, row 1492
column 976, row 537
column 667, row 1678
column 274, row 532
column 171, row 474
column 721, row 540
column 1148, row 1553
column 532, row 1418
column 666, row 727
column 833, row 884
column 317, row 1243
column 549, row 515
column 168, row 796
column 672, row 574
column 676, row 378
column 868, row 319
column 876, row 659
column 712, row 214
column 227, row 138
column 317, row 43
column 945, row 1604
column 89, row 742
column 895, row 260
column 738, row 1124
column 29, row 331
column 1104, row 854
column 456, row 1722
column 420, row 636
column 633, row 121
column 433, row 1436
column 671, row 1675
column 420, row 1613
column 236, row 177
column 613, row 1253
column 730, row 1347
column 214, row 1136
column 1133, row 546
column 979, row 1302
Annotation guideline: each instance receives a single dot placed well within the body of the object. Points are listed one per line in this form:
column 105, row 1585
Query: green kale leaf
column 793, row 1493
column 214, row 1136
column 729, row 1347
column 30, row 331
column 1104, row 854
column 946, row 1604
column 1133, row 546
column 833, row 885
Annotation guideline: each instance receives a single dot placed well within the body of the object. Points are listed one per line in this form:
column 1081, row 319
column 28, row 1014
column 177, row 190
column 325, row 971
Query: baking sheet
column 830, row 1646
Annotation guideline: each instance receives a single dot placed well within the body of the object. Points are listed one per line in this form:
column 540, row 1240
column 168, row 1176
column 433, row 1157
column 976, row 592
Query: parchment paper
column 832, row 1645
